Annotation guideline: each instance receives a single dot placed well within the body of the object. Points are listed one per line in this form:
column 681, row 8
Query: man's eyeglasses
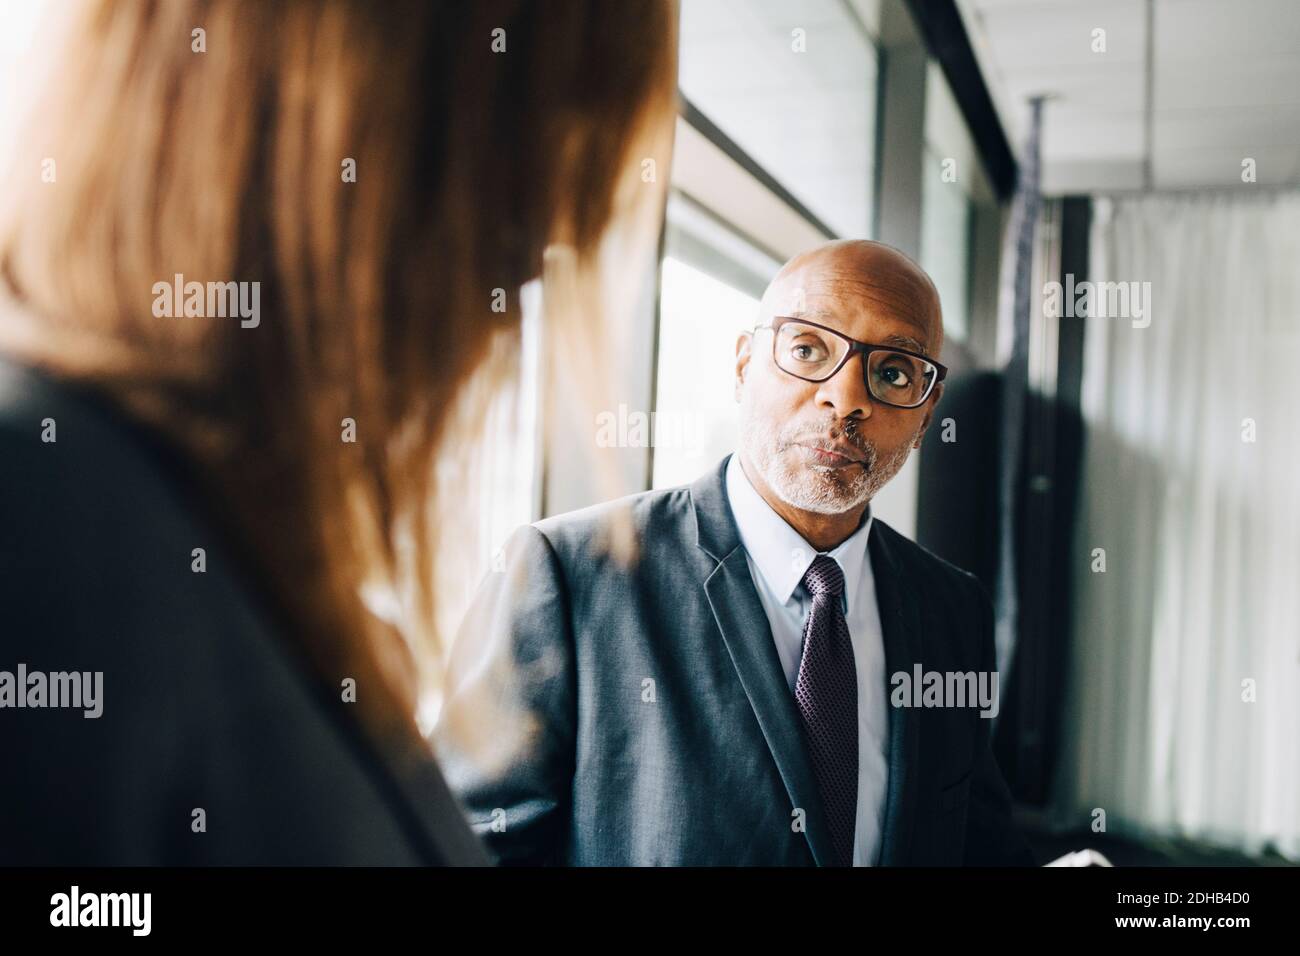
column 814, row 353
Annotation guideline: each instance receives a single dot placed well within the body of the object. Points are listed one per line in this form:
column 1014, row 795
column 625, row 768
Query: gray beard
column 818, row 489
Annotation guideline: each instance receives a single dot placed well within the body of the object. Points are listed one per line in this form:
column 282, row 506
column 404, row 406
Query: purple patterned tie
column 827, row 695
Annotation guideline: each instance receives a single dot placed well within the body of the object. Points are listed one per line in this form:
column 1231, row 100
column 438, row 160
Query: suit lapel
column 748, row 636
column 900, row 620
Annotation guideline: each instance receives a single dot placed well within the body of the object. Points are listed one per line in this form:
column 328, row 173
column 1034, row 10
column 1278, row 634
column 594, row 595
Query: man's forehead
column 862, row 288
column 917, row 339
column 847, row 309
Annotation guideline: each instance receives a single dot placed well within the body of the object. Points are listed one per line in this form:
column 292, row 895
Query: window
column 952, row 181
column 945, row 242
column 711, row 284
column 794, row 85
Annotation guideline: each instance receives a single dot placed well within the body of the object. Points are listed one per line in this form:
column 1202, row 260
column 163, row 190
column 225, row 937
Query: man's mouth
column 830, row 454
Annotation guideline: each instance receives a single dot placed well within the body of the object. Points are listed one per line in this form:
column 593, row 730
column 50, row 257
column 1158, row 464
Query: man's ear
column 744, row 345
column 932, row 401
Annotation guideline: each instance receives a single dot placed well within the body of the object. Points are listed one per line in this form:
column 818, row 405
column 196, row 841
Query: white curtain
column 1198, row 608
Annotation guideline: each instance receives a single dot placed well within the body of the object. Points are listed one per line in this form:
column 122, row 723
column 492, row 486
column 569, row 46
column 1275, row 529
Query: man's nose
column 845, row 392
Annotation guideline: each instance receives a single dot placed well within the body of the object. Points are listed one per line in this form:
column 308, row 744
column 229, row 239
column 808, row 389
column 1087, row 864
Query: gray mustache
column 837, row 431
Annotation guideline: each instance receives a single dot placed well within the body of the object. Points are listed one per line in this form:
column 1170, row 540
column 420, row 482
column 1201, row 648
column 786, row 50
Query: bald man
column 780, row 679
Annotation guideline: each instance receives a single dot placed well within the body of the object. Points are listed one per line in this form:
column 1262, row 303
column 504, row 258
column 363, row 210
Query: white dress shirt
column 778, row 558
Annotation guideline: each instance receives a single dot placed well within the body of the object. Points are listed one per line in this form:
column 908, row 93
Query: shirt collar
column 780, row 553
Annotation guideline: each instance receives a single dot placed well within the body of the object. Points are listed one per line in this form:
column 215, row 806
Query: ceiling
column 1179, row 106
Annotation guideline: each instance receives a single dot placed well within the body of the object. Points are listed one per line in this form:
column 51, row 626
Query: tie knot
column 824, row 577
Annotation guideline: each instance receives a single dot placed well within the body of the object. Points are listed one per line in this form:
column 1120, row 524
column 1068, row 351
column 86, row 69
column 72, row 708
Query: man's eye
column 895, row 376
column 807, row 352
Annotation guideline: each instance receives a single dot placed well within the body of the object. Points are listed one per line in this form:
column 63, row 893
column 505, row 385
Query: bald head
column 856, row 279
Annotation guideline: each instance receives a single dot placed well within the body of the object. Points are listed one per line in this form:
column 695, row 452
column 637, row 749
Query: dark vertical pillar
column 1028, row 733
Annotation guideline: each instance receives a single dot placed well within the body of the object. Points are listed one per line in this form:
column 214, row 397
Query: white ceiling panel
column 1219, row 81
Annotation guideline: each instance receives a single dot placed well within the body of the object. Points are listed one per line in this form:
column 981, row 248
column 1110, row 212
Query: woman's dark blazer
column 214, row 744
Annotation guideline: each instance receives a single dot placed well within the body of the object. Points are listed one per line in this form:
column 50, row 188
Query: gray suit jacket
column 664, row 732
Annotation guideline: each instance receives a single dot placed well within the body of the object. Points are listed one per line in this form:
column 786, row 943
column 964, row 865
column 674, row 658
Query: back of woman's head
column 388, row 174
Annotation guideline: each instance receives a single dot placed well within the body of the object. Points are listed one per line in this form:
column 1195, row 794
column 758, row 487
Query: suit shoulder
column 648, row 514
column 921, row 563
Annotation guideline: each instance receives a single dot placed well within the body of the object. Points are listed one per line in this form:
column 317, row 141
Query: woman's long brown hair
column 480, row 135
